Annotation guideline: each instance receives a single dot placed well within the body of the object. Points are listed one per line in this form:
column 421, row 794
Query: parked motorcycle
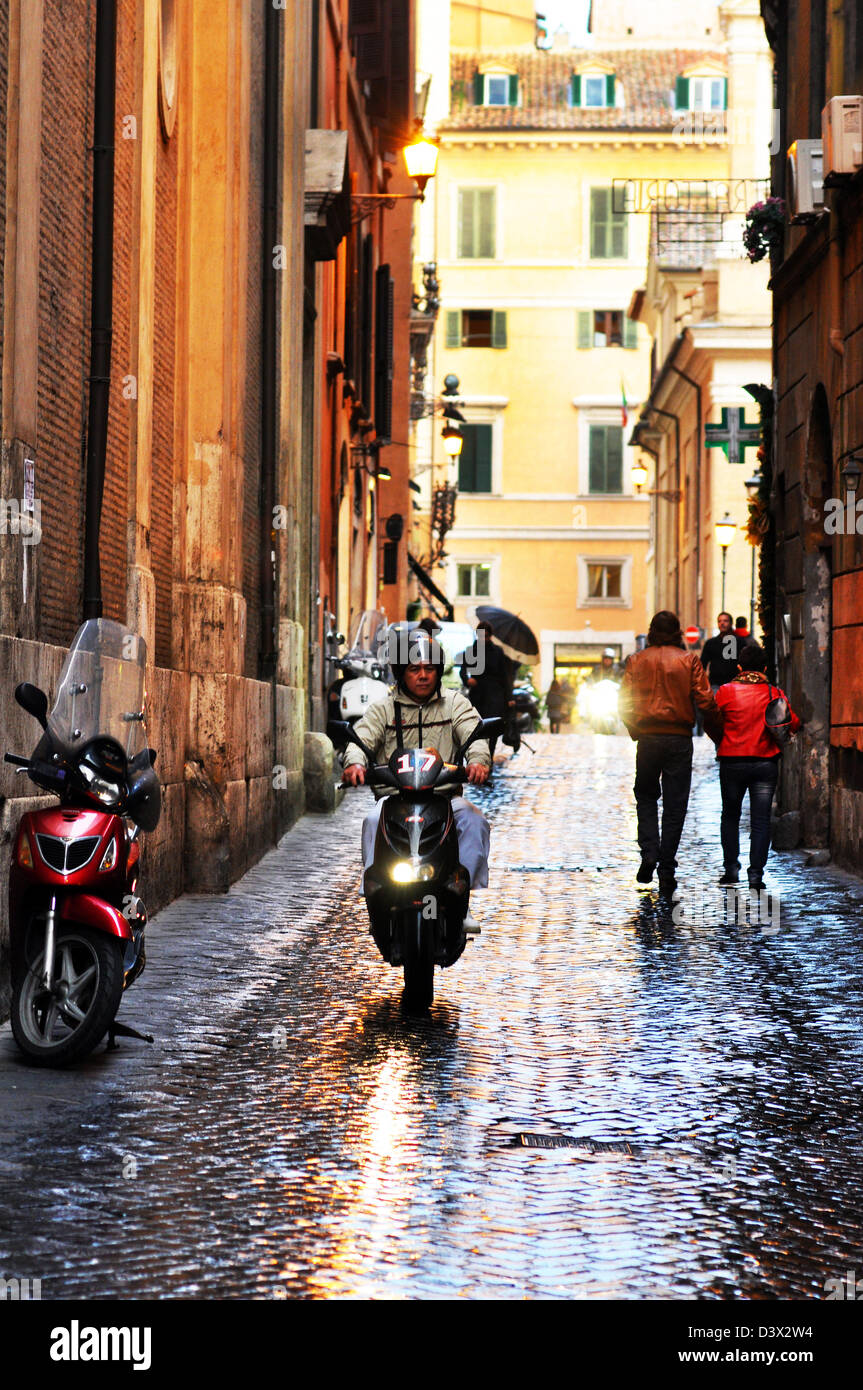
column 364, row 674
column 525, row 707
column 416, row 890
column 76, row 923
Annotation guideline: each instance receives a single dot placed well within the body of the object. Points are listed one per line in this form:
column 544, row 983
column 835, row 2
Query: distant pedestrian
column 656, row 696
column 741, row 632
column 719, row 653
column 554, row 705
column 748, row 762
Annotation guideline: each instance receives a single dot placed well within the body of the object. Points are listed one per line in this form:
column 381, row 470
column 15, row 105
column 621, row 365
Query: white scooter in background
column 365, row 675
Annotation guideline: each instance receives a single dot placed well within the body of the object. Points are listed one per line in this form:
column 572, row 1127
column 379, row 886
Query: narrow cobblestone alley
column 611, row 1097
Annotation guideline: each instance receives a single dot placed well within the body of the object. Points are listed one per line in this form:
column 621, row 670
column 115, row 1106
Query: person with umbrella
column 490, row 665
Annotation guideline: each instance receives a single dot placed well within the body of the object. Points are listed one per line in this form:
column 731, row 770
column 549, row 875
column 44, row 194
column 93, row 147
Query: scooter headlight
column 407, row 872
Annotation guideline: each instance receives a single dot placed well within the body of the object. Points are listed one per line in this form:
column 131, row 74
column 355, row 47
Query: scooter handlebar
column 16, row 761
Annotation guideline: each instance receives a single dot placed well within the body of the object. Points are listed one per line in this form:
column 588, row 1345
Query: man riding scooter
column 416, row 714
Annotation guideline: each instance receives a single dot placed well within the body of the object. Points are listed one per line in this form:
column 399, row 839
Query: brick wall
column 251, row 426
column 4, row 81
column 64, row 308
column 164, row 322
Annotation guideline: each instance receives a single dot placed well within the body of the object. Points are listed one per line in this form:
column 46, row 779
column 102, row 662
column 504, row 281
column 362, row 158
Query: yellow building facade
column 542, row 153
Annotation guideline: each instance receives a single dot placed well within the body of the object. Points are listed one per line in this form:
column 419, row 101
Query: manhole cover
column 566, row 1141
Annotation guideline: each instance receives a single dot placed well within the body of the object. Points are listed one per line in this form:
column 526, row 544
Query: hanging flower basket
column 765, row 229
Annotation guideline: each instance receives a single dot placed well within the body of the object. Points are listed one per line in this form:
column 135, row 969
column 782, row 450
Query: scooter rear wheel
column 88, row 968
column 419, row 963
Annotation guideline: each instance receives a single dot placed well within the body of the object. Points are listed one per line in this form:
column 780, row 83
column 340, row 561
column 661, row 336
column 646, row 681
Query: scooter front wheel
column 419, row 963
column 62, row 1025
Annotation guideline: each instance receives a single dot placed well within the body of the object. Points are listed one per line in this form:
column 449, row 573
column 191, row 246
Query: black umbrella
column 511, row 634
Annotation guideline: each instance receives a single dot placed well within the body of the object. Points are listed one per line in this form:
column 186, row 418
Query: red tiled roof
column 647, row 75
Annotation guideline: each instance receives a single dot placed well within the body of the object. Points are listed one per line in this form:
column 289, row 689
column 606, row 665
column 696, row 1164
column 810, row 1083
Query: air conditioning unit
column 842, row 138
column 805, row 182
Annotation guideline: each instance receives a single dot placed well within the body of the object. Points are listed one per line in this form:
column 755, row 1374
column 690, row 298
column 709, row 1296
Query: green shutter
column 619, row 232
column 599, row 200
column 498, row 328
column 725, row 94
column 584, row 321
column 485, row 248
column 453, row 328
column 596, row 459
column 474, row 465
column 483, row 458
column 610, row 90
column 630, row 332
column 681, row 94
column 478, row 88
column 513, row 91
column 465, row 222
column 576, row 89
column 614, row 458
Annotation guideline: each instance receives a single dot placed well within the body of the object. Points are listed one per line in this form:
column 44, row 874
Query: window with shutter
column 609, row 238
column 585, row 317
column 474, row 465
column 681, row 94
column 498, row 329
column 384, row 304
column 478, row 89
column 453, row 328
column 575, row 90
column 364, row 366
column 605, row 459
column 630, row 333
column 610, row 90
column 364, row 17
column 513, row 91
column 476, row 224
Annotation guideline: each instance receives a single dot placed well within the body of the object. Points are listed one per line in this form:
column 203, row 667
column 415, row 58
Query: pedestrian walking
column 719, row 653
column 489, row 676
column 554, row 705
column 748, row 762
column 656, row 698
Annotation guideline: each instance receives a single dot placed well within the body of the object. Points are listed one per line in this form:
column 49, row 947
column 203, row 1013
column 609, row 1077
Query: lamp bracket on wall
column 364, row 204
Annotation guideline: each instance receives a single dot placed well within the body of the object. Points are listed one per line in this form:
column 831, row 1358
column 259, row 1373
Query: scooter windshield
column 101, row 688
column 367, row 634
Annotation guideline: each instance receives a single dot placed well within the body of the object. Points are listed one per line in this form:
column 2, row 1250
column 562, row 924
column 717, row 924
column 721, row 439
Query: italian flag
column 624, row 412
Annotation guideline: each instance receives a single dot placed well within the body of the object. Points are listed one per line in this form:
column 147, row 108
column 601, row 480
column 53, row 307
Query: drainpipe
column 669, row 416
column 101, row 296
column 698, row 457
column 268, row 340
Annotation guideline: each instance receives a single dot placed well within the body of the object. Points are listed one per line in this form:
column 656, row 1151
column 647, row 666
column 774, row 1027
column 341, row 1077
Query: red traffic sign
column 692, row 634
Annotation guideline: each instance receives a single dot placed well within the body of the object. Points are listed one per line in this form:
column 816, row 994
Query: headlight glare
column 405, row 871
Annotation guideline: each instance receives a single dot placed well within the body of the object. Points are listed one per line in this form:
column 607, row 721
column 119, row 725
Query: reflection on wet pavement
column 609, row 1098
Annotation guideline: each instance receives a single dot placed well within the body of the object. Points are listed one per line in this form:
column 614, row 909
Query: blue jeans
column 737, row 776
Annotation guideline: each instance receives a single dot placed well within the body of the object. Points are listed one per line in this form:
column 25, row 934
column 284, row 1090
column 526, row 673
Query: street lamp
column 639, row 475
column 421, row 161
column 753, row 486
column 453, row 439
column 724, row 531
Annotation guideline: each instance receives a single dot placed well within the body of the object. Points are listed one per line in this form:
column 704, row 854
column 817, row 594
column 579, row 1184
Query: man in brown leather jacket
column 659, row 687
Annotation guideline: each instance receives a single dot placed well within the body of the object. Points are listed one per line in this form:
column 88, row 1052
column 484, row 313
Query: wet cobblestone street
column 610, row 1098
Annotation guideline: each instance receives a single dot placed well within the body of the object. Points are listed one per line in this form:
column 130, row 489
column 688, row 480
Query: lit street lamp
column 724, row 531
column 453, row 439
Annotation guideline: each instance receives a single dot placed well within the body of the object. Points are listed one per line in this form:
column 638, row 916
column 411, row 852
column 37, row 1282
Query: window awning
column 327, row 204
column 426, row 582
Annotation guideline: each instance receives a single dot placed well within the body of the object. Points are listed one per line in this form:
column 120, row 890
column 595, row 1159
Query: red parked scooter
column 76, row 922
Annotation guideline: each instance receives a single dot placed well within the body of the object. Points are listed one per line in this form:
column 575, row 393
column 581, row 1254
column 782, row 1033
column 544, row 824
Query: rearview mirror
column 487, row 728
column 34, row 701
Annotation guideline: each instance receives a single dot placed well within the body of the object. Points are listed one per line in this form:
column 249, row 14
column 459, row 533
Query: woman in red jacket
column 748, row 762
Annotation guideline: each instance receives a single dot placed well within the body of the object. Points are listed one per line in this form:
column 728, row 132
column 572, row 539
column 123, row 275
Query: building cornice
column 550, row 533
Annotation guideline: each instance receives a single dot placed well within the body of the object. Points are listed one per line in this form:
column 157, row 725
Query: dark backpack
column 777, row 719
